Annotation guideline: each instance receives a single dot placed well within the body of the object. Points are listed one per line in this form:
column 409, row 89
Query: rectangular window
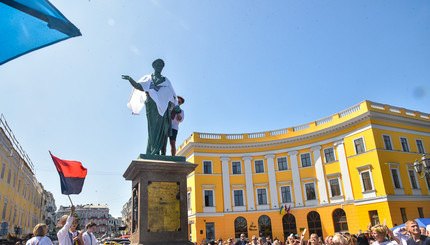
column 396, row 179
column 259, row 166
column 3, row 215
column 210, row 231
column 207, row 167
column 286, row 194
column 189, row 200
column 209, row 201
column 359, row 145
column 334, row 187
column 310, row 191
column 3, row 169
column 14, row 180
column 282, row 163
column 387, row 142
column 306, row 159
column 413, row 179
column 236, row 168
column 262, row 198
column 421, row 213
column 405, row 145
column 238, row 198
column 404, row 217
column 8, row 176
column 374, row 218
column 367, row 182
column 420, row 146
column 329, row 155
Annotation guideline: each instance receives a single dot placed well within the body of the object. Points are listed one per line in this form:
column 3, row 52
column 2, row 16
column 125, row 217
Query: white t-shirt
column 63, row 234
column 43, row 240
column 385, row 243
column 176, row 121
column 89, row 239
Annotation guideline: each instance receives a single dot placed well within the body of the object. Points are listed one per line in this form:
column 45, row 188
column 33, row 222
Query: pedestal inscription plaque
column 163, row 206
column 159, row 192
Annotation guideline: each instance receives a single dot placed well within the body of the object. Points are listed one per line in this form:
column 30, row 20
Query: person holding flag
column 64, row 236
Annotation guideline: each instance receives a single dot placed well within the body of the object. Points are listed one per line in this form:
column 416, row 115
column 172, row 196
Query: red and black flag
column 72, row 175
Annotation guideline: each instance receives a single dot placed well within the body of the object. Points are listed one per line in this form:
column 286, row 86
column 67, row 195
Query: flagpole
column 70, row 199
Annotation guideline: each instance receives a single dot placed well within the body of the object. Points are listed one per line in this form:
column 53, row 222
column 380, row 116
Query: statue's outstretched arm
column 132, row 82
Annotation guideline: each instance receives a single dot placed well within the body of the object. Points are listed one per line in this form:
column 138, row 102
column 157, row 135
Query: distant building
column 21, row 195
column 126, row 214
column 113, row 225
column 48, row 212
column 337, row 174
column 99, row 214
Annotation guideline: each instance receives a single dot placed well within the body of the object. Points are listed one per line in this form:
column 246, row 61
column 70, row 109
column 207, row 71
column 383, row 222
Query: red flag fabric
column 72, row 175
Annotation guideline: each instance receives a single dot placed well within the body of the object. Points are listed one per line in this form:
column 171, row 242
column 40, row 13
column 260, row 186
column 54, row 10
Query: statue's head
column 158, row 65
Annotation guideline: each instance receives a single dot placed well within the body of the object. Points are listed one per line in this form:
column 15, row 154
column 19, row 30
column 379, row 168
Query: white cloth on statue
column 63, row 233
column 176, row 121
column 136, row 101
column 160, row 97
column 89, row 239
column 39, row 240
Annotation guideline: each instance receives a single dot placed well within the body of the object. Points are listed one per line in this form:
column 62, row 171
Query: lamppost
column 423, row 166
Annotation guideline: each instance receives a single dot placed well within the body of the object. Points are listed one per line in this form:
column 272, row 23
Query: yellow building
column 21, row 194
column 337, row 174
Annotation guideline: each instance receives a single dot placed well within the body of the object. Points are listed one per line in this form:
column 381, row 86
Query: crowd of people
column 67, row 235
column 410, row 234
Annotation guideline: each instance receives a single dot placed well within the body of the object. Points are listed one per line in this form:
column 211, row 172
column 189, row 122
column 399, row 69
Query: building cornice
column 373, row 115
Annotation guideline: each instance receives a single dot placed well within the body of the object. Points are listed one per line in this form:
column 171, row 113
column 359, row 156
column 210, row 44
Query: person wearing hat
column 63, row 235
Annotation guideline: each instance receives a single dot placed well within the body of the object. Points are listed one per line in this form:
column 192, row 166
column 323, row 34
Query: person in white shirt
column 379, row 232
column 399, row 233
column 63, row 235
column 88, row 237
column 177, row 117
column 40, row 238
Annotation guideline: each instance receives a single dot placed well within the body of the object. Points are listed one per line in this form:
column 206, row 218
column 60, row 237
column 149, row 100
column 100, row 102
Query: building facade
column 21, row 195
column 126, row 216
column 99, row 214
column 337, row 174
column 113, row 226
column 48, row 212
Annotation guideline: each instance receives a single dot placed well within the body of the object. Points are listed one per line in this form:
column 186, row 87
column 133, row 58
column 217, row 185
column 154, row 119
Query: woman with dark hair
column 362, row 240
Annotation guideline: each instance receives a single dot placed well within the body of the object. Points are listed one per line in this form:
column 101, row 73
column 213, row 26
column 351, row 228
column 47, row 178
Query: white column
column 274, row 203
column 322, row 187
column 226, row 183
column 344, row 170
column 298, row 197
column 249, row 183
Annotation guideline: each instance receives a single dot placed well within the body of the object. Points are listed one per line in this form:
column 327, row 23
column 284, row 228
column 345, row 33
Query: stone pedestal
column 159, row 200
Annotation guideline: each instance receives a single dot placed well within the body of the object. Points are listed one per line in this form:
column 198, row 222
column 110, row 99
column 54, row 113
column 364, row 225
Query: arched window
column 289, row 225
column 264, row 226
column 339, row 221
column 240, row 227
column 314, row 223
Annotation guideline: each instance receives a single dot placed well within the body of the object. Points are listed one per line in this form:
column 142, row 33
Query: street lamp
column 423, row 166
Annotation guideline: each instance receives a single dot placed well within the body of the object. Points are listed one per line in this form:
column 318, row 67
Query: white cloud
column 134, row 50
column 111, row 22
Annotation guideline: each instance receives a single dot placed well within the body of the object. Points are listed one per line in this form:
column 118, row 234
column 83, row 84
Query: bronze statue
column 160, row 97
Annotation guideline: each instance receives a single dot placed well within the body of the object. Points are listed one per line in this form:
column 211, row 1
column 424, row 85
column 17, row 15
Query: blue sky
column 242, row 66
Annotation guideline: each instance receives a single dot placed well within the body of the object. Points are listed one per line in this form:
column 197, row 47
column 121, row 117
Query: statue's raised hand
column 126, row 77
